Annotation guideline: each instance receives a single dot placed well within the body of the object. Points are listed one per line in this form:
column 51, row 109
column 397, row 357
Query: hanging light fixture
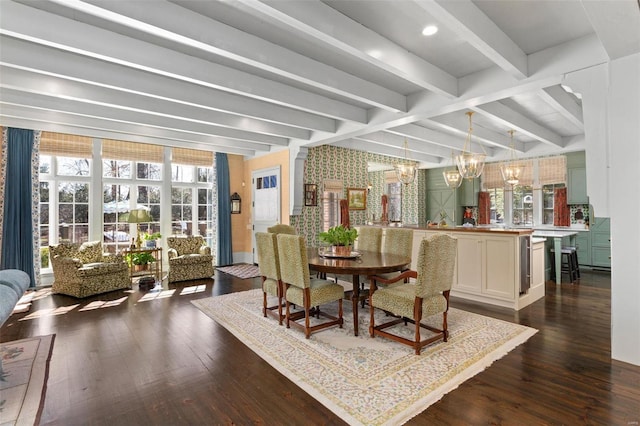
column 469, row 164
column 511, row 170
column 406, row 171
column 452, row 177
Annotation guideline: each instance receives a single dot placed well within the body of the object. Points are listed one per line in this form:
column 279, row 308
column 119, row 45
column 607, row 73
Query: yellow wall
column 280, row 158
column 238, row 221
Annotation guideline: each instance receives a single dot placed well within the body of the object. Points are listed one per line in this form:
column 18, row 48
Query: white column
column 624, row 142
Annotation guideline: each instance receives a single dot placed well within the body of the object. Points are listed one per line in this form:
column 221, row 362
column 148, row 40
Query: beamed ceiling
column 252, row 77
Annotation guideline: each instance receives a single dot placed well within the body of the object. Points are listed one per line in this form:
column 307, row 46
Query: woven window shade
column 390, row 176
column 491, row 177
column 552, row 170
column 65, row 145
column 332, row 185
column 191, row 157
column 122, row 150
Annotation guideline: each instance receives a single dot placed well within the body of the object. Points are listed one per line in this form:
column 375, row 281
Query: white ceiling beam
column 414, row 146
column 46, row 60
column 367, row 146
column 76, row 114
column 564, row 103
column 199, row 32
column 83, row 94
column 448, row 141
column 616, row 23
column 458, row 124
column 323, row 23
column 518, row 122
column 466, row 20
column 24, row 22
column 179, row 140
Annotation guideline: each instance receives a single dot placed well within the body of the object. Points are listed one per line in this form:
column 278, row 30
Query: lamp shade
column 139, row 216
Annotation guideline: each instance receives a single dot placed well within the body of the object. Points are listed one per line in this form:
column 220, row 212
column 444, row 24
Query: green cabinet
column 469, row 192
column 601, row 242
column 583, row 246
column 577, row 186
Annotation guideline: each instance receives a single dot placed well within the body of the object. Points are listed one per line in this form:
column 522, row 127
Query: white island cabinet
column 489, row 265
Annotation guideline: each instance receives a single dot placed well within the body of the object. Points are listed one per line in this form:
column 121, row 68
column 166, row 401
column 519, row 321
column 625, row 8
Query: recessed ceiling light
column 375, row 53
column 429, row 30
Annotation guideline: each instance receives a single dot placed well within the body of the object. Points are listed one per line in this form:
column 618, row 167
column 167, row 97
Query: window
column 497, row 205
column 65, row 171
column 331, row 203
column 116, row 204
column 522, row 207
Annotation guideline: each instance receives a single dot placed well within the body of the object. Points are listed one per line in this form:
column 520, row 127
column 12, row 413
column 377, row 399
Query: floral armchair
column 189, row 258
column 84, row 270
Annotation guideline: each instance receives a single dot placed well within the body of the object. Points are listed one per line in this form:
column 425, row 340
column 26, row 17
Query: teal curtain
column 17, row 230
column 225, row 249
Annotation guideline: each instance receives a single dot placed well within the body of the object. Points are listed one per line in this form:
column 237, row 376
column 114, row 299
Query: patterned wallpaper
column 350, row 166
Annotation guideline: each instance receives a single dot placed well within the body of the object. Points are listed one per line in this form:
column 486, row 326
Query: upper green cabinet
column 576, row 178
column 577, row 188
column 469, row 192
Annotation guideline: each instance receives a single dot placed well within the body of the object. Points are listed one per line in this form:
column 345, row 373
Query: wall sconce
column 236, row 201
column 369, row 187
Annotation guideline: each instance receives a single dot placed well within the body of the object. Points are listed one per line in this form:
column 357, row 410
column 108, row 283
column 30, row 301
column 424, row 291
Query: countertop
column 477, row 229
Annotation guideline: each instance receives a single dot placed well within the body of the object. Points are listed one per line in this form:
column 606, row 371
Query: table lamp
column 138, row 216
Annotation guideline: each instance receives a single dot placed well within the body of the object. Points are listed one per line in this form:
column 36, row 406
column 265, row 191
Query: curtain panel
column 561, row 211
column 225, row 249
column 484, row 208
column 20, row 208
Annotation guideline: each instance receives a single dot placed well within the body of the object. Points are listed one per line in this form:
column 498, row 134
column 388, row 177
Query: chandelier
column 406, row 171
column 511, row 170
column 469, row 164
column 452, row 177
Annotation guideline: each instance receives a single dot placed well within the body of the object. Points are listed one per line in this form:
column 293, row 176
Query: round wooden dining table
column 365, row 263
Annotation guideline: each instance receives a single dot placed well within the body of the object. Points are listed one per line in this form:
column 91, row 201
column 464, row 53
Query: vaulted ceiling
column 250, row 77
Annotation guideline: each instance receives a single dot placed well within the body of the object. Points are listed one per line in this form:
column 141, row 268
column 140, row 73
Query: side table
column 152, row 269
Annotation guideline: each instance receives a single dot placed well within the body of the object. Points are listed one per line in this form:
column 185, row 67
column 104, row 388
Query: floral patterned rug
column 23, row 379
column 368, row 381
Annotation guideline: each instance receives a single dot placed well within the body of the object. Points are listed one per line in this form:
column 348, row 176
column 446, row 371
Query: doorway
column 265, row 193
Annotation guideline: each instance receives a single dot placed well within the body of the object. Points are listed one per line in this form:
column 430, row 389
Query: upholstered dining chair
column 302, row 290
column 397, row 241
column 282, row 229
column 267, row 246
column 413, row 302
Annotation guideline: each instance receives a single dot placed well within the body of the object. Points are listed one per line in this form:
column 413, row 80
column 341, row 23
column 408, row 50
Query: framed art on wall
column 310, row 194
column 357, row 198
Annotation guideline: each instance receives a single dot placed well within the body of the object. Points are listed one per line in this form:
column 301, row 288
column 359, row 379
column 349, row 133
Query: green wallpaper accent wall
column 330, row 162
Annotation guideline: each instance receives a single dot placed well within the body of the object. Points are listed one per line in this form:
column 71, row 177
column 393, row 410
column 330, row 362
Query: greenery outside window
column 522, row 206
column 497, row 205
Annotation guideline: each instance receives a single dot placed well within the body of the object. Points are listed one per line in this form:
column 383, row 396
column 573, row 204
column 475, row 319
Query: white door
column 265, row 194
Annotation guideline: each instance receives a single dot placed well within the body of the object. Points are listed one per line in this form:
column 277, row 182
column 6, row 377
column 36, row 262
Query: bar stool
column 569, row 263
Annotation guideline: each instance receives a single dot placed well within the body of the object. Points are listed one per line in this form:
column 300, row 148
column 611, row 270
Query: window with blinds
column 331, row 194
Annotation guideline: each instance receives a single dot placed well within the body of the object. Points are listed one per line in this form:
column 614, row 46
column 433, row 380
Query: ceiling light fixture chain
column 511, row 170
column 470, row 165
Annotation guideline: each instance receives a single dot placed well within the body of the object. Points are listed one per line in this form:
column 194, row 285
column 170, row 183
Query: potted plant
column 150, row 239
column 340, row 237
column 139, row 261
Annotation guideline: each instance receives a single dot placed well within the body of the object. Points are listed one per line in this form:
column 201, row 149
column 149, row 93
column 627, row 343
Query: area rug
column 362, row 380
column 243, row 271
column 23, row 379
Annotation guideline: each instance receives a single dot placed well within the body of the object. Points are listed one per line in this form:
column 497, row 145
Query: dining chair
column 302, row 290
column 413, row 302
column 397, row 241
column 269, row 265
column 282, row 229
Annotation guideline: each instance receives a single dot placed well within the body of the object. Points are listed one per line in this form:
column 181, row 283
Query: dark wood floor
column 133, row 358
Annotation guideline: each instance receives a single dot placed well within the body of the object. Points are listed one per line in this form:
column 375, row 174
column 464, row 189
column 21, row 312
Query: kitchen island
column 498, row 266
